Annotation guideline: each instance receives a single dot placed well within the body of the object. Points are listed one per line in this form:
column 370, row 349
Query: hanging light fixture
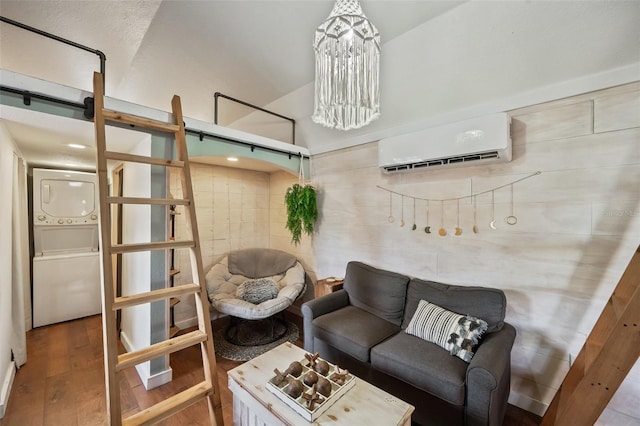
column 347, row 49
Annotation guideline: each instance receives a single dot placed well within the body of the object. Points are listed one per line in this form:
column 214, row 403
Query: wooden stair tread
column 165, row 347
column 606, row 372
column 151, row 296
column 154, row 161
column 135, row 120
column 609, row 352
column 170, row 406
column 155, row 245
column 173, row 272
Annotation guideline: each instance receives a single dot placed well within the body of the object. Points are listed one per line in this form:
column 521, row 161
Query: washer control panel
column 47, row 220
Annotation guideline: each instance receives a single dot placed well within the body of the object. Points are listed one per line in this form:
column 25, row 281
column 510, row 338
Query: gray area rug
column 233, row 352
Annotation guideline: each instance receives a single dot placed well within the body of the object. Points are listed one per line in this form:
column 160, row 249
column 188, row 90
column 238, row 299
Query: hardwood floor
column 63, row 382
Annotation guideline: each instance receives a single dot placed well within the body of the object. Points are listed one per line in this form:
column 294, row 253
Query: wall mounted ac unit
column 466, row 143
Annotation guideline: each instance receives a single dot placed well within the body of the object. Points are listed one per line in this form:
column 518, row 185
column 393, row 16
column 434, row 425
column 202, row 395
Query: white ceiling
column 438, row 56
column 44, row 138
column 256, row 51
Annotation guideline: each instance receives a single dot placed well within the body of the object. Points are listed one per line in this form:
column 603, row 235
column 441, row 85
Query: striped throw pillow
column 454, row 332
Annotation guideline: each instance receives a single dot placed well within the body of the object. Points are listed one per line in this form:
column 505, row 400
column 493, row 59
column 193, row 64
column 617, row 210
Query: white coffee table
column 255, row 405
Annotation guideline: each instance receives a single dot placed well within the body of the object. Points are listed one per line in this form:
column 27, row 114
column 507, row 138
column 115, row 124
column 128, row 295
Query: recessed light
column 76, row 146
column 232, row 158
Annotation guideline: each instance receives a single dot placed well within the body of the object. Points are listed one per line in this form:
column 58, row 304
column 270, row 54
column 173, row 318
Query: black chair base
column 244, row 332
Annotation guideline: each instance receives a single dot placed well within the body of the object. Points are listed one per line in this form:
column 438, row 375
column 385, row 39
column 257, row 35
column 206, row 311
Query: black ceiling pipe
column 102, row 56
column 221, row 95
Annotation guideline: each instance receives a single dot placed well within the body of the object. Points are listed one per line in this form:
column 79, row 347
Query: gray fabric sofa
column 361, row 327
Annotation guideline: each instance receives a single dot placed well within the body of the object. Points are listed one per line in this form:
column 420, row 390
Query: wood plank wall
column 236, row 208
column 280, row 237
column 578, row 225
column 232, row 207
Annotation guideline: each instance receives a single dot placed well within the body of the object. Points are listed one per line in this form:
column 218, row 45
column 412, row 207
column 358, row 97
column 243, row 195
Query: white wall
column 578, row 226
column 136, row 274
column 236, row 209
column 7, row 367
column 232, row 208
column 14, row 262
column 480, row 58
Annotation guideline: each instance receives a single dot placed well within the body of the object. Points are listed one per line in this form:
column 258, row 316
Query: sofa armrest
column 320, row 306
column 489, row 378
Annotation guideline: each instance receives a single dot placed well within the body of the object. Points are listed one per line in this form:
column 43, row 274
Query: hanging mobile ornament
column 390, row 218
column 413, row 228
column 442, row 231
column 511, row 219
column 402, row 213
column 458, row 229
column 427, row 229
column 475, row 215
column 493, row 211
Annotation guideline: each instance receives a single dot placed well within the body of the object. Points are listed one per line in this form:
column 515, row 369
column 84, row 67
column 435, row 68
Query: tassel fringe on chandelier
column 347, row 50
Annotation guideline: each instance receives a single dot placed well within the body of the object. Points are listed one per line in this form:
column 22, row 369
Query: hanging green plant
column 302, row 211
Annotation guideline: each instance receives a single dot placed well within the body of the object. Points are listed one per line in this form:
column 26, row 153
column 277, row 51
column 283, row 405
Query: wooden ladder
column 114, row 363
column 610, row 351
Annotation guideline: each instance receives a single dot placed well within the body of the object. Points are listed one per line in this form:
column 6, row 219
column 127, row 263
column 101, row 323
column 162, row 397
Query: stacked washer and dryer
column 66, row 262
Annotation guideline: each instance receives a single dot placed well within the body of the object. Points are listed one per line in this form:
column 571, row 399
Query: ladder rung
column 158, row 349
column 165, row 293
column 156, row 245
column 170, row 406
column 592, row 349
column 142, row 200
column 619, row 304
column 121, row 156
column 139, row 121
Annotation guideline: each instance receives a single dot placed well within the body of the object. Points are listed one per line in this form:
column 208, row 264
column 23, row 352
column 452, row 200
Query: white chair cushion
column 222, row 287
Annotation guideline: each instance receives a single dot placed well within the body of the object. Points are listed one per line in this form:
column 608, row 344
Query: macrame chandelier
column 347, row 48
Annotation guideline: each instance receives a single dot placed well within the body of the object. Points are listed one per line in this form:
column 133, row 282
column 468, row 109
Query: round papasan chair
column 255, row 284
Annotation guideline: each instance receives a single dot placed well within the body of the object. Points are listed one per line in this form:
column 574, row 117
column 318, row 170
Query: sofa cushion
column 481, row 302
column 454, row 332
column 423, row 364
column 377, row 291
column 353, row 330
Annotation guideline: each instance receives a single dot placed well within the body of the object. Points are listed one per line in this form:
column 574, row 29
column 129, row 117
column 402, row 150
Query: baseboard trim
column 193, row 321
column 7, row 383
column 527, row 403
column 149, row 381
column 186, row 323
column 158, row 379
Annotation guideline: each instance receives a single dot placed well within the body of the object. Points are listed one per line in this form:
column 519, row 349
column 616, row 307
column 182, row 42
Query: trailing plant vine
column 302, row 211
